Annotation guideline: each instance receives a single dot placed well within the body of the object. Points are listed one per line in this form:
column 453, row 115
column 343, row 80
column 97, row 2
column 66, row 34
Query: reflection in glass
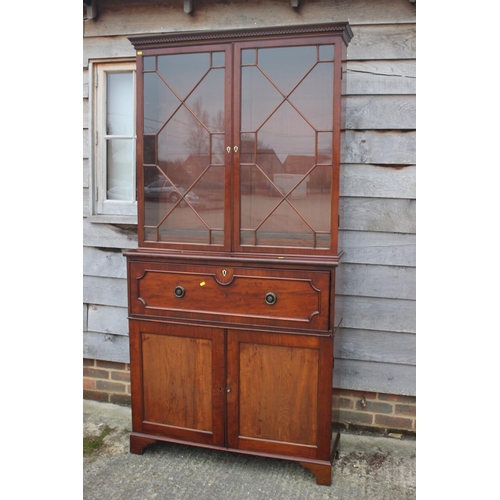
column 313, row 98
column 326, row 52
column 183, row 226
column 286, row 147
column 285, row 66
column 149, row 142
column 120, row 170
column 218, row 59
column 258, row 98
column 286, row 132
column 183, row 71
column 149, row 63
column 159, row 103
column 248, row 56
column 207, row 101
column 119, row 104
column 182, row 137
column 184, row 181
column 285, row 227
column 325, row 147
column 218, row 143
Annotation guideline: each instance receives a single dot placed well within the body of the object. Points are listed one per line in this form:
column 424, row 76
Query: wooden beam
column 188, row 6
column 91, row 9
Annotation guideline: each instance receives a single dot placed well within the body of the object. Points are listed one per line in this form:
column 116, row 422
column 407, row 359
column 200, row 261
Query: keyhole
column 224, row 272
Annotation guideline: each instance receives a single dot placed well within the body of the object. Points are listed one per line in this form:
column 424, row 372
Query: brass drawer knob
column 270, row 298
column 179, row 291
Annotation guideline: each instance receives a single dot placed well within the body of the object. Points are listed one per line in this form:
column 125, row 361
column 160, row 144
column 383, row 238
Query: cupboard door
column 279, row 393
column 177, row 376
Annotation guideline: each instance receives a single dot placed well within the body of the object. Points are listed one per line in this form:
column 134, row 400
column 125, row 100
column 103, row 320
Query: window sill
column 114, row 219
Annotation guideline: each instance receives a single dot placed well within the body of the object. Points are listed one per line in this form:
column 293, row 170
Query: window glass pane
column 120, row 172
column 120, row 104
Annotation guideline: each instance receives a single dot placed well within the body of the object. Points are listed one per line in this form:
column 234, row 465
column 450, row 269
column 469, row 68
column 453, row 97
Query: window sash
column 115, row 179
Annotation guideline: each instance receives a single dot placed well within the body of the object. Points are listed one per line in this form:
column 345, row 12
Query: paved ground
column 368, row 468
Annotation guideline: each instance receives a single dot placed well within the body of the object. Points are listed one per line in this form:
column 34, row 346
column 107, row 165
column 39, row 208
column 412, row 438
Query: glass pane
column 207, row 101
column 247, row 148
column 286, row 148
column 120, row 170
column 248, row 56
column 159, row 103
column 287, row 133
column 258, row 98
column 326, row 52
column 208, row 195
column 325, row 147
column 218, row 149
column 258, row 196
column 285, row 227
column 286, row 66
column 149, row 63
column 319, row 181
column 218, row 59
column 182, row 225
column 313, row 98
column 183, row 136
column 149, row 149
column 185, row 189
column 120, row 104
column 183, row 71
column 313, row 198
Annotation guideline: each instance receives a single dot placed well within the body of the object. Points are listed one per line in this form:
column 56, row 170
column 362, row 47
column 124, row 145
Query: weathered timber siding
column 375, row 350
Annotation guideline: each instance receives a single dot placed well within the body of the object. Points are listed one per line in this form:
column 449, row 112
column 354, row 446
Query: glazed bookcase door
column 184, row 166
column 287, row 125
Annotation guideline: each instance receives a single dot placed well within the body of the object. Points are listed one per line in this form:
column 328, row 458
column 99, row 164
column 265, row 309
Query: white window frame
column 104, row 210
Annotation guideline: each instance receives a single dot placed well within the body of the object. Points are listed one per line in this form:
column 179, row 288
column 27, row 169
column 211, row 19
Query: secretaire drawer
column 282, row 298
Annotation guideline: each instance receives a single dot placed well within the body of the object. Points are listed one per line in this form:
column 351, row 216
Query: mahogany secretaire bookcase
column 232, row 288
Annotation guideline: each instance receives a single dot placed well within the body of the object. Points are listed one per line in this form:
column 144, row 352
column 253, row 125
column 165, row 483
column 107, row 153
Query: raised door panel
column 279, row 398
column 178, row 381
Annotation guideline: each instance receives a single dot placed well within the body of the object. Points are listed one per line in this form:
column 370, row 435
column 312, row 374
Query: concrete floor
column 368, row 467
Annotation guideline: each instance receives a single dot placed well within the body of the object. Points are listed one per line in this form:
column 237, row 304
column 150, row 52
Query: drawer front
column 288, row 298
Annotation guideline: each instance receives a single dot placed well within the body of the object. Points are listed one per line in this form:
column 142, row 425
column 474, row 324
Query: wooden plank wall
column 375, row 350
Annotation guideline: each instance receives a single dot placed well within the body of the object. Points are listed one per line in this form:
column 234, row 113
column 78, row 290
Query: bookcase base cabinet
column 260, row 393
